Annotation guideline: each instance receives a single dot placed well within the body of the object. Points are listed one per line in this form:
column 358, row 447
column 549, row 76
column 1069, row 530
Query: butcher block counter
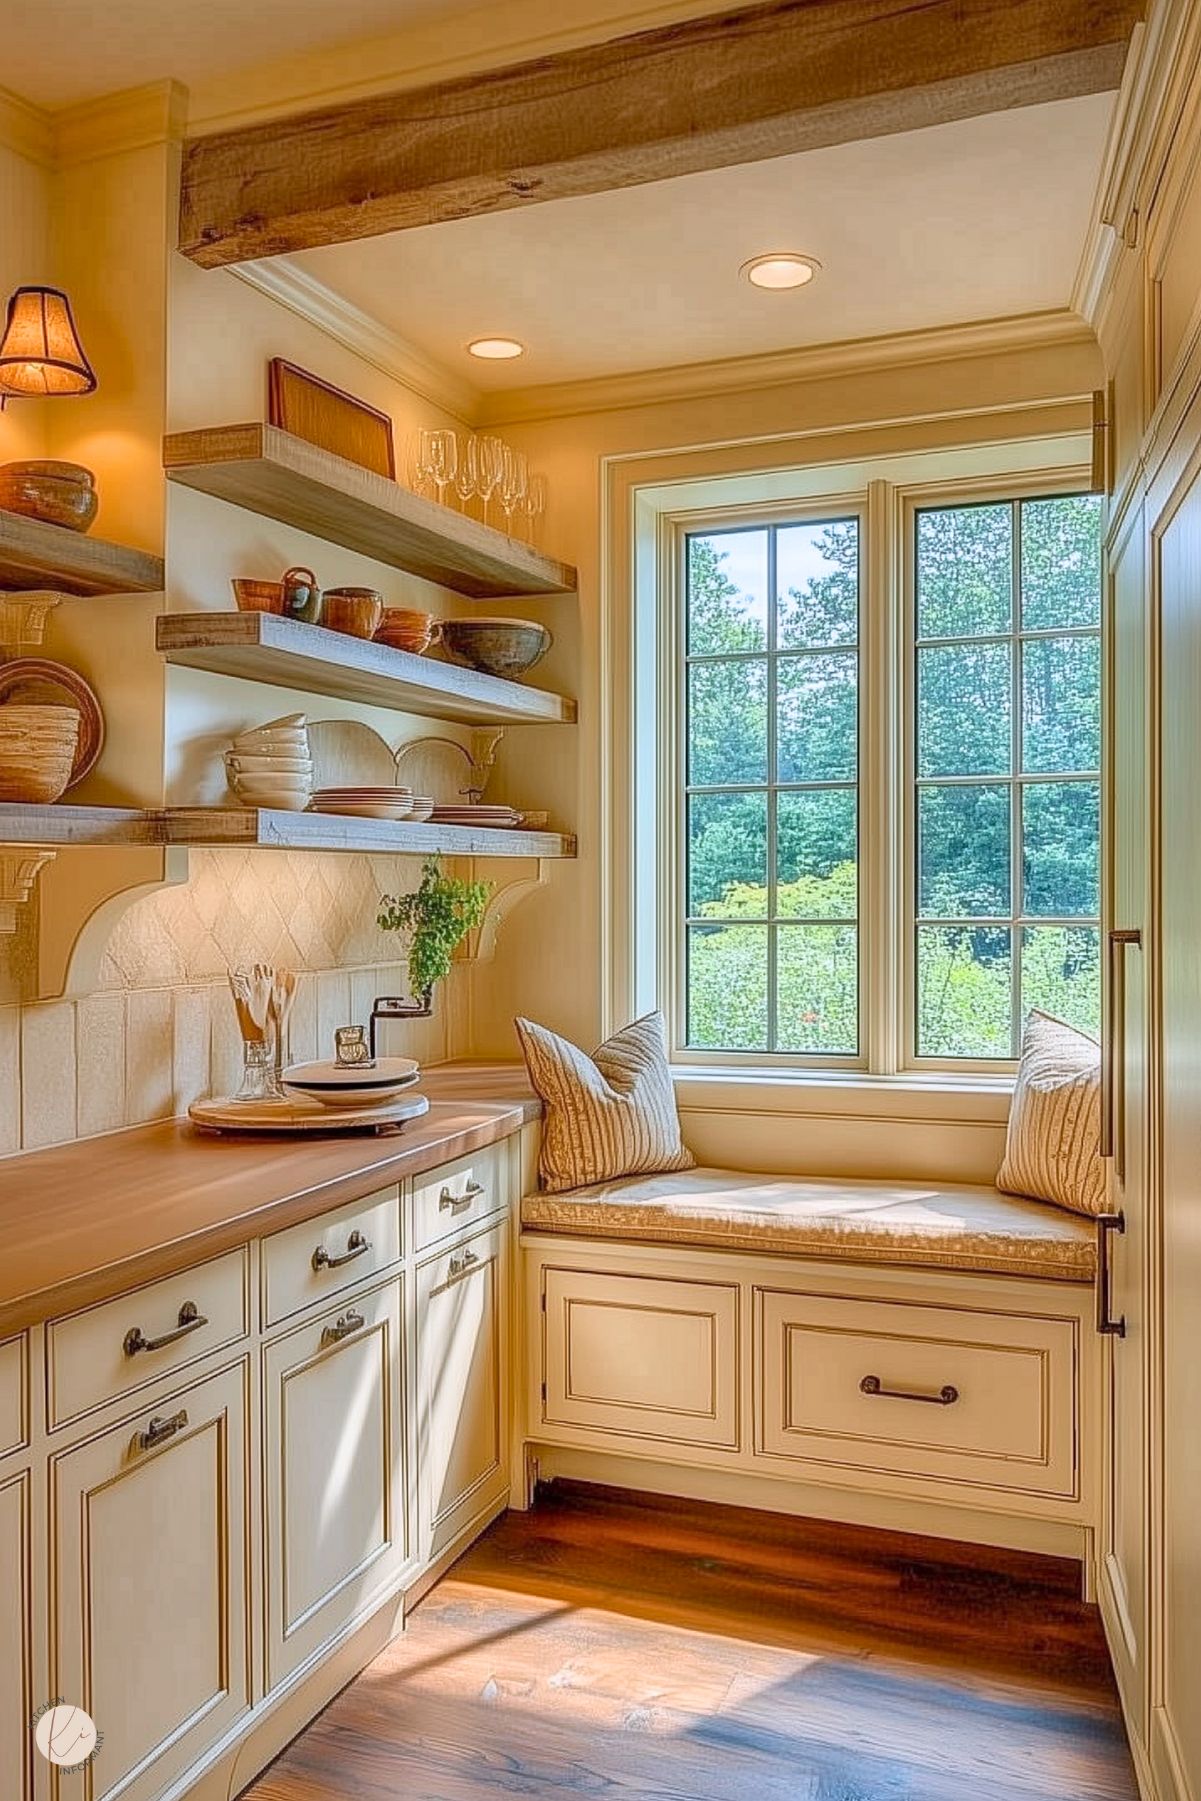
column 85, row 1220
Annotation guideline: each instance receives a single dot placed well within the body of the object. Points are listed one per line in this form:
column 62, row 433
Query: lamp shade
column 40, row 353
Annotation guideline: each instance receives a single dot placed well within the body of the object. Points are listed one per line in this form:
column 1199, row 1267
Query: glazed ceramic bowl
column 59, row 493
column 402, row 629
column 355, row 611
column 505, row 647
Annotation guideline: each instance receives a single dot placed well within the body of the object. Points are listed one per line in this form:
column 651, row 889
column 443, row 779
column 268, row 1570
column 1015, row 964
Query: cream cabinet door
column 462, row 1386
column 1126, row 1504
column 16, row 1686
column 149, row 1631
column 335, row 1528
column 640, row 1356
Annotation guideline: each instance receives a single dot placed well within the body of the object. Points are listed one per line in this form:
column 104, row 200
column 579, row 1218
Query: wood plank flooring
column 634, row 1648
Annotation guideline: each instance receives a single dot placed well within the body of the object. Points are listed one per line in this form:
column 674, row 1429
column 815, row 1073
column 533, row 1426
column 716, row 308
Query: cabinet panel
column 324, row 1257
column 16, row 1684
column 14, row 1392
column 93, row 1357
column 956, row 1397
column 150, row 1626
column 648, row 1357
column 334, row 1510
column 460, row 1195
column 1180, row 951
column 462, row 1385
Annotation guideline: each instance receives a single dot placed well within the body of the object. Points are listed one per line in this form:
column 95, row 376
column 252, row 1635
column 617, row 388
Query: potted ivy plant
column 438, row 915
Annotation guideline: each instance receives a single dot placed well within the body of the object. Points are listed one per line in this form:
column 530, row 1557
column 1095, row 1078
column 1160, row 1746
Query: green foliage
column 439, row 914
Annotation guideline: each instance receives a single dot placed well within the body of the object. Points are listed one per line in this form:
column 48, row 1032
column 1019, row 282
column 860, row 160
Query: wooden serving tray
column 299, row 1115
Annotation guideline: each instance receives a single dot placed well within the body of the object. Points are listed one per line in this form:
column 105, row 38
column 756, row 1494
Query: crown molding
column 1159, row 78
column 26, row 129
column 131, row 120
column 293, row 287
column 1059, row 330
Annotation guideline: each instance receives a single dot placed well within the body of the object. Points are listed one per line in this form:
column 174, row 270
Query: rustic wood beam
column 729, row 88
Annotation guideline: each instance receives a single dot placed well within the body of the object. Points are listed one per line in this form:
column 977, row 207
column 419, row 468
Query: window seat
column 940, row 1226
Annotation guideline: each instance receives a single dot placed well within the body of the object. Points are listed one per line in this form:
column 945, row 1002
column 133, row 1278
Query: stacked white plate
column 372, row 803
column 271, row 766
column 499, row 818
column 352, row 1085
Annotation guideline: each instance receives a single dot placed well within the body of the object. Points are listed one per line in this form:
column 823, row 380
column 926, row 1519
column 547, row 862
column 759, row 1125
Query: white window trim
column 1045, row 442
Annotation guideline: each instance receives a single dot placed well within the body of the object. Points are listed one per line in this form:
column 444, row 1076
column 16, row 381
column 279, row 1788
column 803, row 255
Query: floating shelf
column 265, row 647
column 34, row 554
column 65, row 826
column 272, row 472
column 338, row 832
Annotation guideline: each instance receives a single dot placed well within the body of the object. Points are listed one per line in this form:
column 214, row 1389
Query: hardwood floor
column 642, row 1649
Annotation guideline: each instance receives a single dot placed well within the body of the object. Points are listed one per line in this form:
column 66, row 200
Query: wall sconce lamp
column 40, row 353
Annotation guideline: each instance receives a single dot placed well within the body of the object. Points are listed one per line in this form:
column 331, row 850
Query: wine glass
column 421, row 473
column 534, row 504
column 440, row 453
column 514, row 476
column 490, row 457
column 467, row 475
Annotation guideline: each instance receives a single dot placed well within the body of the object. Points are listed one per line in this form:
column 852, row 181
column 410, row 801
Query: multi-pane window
column 771, row 810
column 1007, row 760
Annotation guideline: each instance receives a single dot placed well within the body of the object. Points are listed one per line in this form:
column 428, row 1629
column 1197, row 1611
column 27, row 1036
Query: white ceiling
column 63, row 51
column 977, row 220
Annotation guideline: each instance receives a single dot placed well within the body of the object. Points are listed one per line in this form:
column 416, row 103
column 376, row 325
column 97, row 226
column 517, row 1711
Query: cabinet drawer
column 459, row 1195
column 334, row 1517
column 14, row 1418
column 966, row 1398
column 121, row 1345
column 321, row 1257
column 642, row 1357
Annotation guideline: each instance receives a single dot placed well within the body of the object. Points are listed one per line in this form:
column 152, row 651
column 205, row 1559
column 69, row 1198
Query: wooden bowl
column 355, row 611
column 506, row 647
column 258, row 597
column 58, row 493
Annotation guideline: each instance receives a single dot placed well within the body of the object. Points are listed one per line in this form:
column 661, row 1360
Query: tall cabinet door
column 1176, row 1719
column 1125, row 1548
column 16, row 1683
column 334, row 1516
column 150, row 1628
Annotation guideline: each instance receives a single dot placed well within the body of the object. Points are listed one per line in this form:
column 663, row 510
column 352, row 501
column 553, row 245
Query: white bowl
column 275, row 803
column 348, row 1085
column 256, row 766
column 272, row 779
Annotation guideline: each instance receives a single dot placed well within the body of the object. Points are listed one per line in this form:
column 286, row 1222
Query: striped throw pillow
column 611, row 1114
column 1053, row 1145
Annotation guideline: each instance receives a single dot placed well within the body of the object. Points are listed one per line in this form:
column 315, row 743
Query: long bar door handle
column 1113, row 1058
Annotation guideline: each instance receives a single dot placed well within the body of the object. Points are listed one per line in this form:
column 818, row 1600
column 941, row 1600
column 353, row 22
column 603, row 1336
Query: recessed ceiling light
column 781, row 269
column 496, row 350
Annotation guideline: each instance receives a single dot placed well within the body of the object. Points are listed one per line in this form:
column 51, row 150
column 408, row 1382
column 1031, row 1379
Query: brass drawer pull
column 456, row 1203
column 161, row 1428
column 1106, row 1323
column 343, row 1328
column 461, row 1266
column 190, row 1320
column 356, row 1246
column 872, row 1385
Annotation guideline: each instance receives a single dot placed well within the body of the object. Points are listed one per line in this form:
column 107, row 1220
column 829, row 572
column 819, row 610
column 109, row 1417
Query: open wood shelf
column 339, row 832
column 287, row 653
column 34, row 554
column 272, row 472
column 65, row 826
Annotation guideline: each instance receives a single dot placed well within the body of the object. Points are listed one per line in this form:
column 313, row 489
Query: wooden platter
column 298, row 1115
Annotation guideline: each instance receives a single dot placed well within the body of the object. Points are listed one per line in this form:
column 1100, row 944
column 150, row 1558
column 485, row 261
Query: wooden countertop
column 82, row 1221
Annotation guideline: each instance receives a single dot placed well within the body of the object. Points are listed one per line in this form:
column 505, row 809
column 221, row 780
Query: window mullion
column 1017, row 862
column 880, row 762
column 773, row 996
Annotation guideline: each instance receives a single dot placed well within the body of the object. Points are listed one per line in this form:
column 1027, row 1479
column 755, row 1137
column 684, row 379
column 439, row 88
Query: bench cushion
column 928, row 1226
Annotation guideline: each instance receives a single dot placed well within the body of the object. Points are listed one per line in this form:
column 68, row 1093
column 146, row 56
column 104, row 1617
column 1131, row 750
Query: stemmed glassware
column 438, row 458
column 490, row 453
column 482, row 467
column 514, row 478
column 467, row 476
column 534, row 503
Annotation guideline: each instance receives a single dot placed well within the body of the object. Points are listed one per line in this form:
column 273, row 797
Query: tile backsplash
column 159, row 1031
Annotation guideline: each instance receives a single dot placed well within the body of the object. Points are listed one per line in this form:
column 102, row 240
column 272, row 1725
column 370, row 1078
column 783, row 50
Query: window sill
column 935, row 1095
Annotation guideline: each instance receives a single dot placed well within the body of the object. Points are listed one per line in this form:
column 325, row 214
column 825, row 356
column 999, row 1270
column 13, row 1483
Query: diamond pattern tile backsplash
column 159, row 1031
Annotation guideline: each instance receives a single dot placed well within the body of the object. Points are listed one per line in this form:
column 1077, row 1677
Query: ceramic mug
column 355, row 611
column 302, row 596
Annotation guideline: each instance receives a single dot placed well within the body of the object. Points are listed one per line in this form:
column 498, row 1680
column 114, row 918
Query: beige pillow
column 1053, row 1145
column 608, row 1115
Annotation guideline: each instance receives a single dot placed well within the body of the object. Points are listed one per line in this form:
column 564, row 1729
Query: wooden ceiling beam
column 728, row 88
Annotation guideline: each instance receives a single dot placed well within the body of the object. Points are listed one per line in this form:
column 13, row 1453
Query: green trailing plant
column 439, row 914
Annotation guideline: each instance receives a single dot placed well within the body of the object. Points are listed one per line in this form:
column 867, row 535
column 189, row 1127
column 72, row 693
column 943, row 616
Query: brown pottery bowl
column 58, row 493
column 355, row 611
column 497, row 646
column 37, row 752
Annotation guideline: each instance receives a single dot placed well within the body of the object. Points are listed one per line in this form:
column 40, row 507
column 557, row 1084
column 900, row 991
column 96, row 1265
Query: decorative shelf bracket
column 80, row 901
column 23, row 618
column 505, row 898
column 19, row 870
